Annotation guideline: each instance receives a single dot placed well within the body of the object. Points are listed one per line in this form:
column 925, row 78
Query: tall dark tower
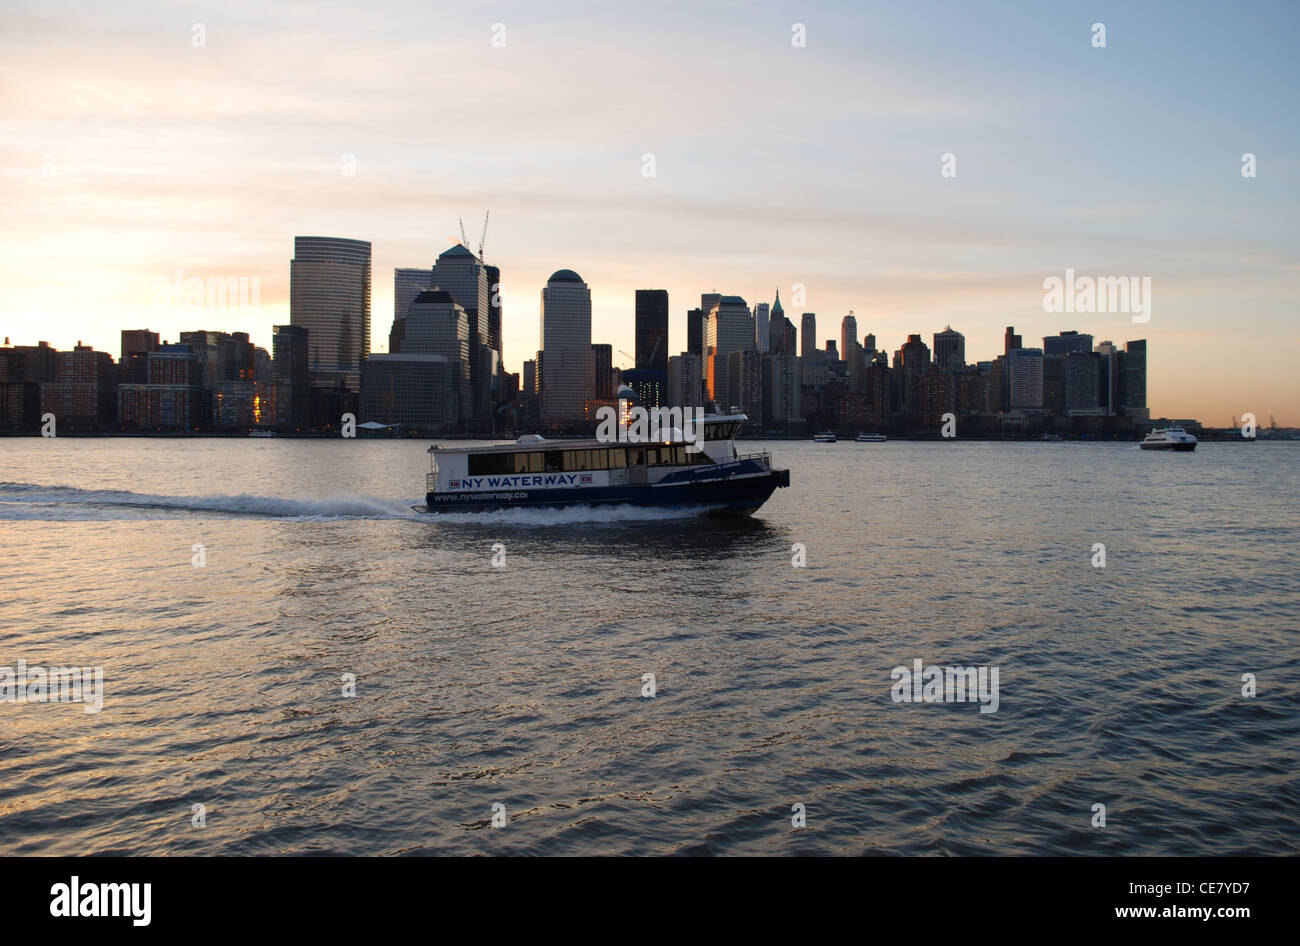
column 494, row 311
column 1011, row 340
column 652, row 330
column 695, row 332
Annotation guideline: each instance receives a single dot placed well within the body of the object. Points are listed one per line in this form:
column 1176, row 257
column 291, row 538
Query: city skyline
column 133, row 178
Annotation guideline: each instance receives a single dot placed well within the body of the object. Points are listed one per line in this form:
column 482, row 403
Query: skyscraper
column 808, row 341
column 745, row 383
column 762, row 332
column 1108, row 380
column 329, row 295
column 1025, row 379
column 494, row 310
column 848, row 333
column 730, row 327
column 1133, row 379
column 911, row 361
column 291, row 376
column 652, row 330
column 459, row 272
column 684, row 381
column 1082, row 387
column 437, row 325
column 137, row 340
column 1066, row 342
column 782, row 389
column 602, row 355
column 695, row 333
column 407, row 284
column 567, row 366
column 1010, row 340
column 949, row 348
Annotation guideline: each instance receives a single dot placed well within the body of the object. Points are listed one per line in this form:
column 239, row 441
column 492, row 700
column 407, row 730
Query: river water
column 227, row 587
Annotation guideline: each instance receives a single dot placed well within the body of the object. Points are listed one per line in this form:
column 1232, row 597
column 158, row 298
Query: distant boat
column 262, row 433
column 1051, row 438
column 826, row 436
column 871, row 438
column 1169, row 438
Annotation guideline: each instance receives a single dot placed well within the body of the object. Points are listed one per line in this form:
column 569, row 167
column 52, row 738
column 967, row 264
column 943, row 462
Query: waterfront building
column 730, row 327
column 684, row 388
column 407, row 284
column 290, row 377
column 568, row 368
column 949, row 348
column 83, row 392
column 782, row 390
column 603, row 370
column 1082, row 380
column 1133, row 380
column 420, row 391
column 652, row 331
column 745, row 383
column 808, row 331
column 762, row 328
column 1025, row 379
column 1065, row 343
column 848, row 333
column 329, row 295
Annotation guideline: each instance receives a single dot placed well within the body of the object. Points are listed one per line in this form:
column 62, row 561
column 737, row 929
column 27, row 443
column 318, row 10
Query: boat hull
column 734, row 495
column 1179, row 447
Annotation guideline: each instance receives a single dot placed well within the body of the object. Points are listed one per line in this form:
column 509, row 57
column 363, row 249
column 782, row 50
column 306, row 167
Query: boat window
column 723, row 430
column 617, row 458
column 490, row 464
column 554, row 461
column 598, row 459
column 636, row 456
column 576, row 460
column 520, row 464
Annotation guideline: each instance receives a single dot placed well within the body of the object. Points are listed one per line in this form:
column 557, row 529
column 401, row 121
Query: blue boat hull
column 729, row 495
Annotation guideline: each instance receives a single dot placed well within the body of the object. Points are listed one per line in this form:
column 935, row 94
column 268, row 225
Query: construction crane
column 464, row 240
column 628, row 355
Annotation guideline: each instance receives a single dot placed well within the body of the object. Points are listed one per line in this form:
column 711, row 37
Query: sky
column 141, row 139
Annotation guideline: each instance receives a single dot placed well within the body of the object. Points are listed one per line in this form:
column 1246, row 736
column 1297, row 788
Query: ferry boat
column 535, row 473
column 826, row 436
column 1169, row 438
column 871, row 438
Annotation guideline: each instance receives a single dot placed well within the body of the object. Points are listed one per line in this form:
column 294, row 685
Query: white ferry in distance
column 872, row 438
column 1169, row 438
column 826, row 436
column 535, row 473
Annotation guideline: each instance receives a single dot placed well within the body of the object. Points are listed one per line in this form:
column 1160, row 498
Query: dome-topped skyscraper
column 568, row 362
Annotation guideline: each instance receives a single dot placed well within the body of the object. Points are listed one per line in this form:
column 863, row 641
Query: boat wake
column 30, row 501
column 19, row 501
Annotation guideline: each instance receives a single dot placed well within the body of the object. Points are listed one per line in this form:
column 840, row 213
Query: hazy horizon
column 129, row 153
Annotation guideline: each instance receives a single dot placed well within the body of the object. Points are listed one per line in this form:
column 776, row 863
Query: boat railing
column 763, row 459
column 430, row 482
